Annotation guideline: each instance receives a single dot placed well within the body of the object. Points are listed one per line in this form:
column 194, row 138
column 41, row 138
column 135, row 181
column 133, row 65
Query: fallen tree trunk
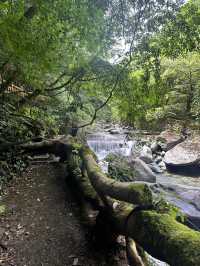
column 160, row 235
column 135, row 193
column 157, row 232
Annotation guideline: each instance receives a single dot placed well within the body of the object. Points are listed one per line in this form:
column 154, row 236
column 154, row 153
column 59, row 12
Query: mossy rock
column 119, row 168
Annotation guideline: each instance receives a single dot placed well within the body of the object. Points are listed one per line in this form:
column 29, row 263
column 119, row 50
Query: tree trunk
column 155, row 231
column 135, row 193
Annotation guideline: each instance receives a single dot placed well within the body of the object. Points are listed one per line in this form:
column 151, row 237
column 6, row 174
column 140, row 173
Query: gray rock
column 163, row 153
column 154, row 147
column 114, row 131
column 142, row 172
column 185, row 155
column 158, row 159
column 119, row 168
column 162, row 165
column 170, row 139
column 163, row 146
column 155, row 168
column 146, row 154
column 123, row 169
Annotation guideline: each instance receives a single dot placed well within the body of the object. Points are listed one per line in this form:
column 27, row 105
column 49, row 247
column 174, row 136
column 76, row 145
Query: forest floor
column 42, row 224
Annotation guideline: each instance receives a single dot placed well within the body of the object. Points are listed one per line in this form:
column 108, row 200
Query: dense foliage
column 61, row 61
column 163, row 84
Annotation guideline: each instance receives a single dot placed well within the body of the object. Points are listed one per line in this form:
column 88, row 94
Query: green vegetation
column 163, row 83
column 65, row 64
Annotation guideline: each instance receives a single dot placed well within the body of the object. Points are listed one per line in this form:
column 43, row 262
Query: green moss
column 163, row 237
column 162, row 206
column 77, row 146
column 119, row 169
column 142, row 193
column 89, row 191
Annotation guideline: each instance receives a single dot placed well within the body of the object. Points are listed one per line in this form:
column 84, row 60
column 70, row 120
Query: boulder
column 169, row 139
column 119, row 168
column 184, row 157
column 142, row 172
column 162, row 166
column 163, row 153
column 155, row 147
column 123, row 169
column 146, row 154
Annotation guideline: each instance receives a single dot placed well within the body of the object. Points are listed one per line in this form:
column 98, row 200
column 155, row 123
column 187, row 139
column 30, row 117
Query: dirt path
column 42, row 224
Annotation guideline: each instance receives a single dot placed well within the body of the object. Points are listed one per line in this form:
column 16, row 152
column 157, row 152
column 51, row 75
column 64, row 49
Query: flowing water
column 103, row 144
column 183, row 191
column 180, row 190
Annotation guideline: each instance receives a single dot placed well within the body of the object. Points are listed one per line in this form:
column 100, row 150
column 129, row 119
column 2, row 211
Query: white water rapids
column 103, row 144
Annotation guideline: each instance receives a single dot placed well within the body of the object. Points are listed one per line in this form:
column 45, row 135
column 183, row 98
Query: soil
column 42, row 224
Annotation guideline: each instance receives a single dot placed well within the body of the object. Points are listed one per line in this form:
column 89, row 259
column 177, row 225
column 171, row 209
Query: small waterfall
column 104, row 144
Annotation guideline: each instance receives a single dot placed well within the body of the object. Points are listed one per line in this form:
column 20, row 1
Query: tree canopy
column 65, row 60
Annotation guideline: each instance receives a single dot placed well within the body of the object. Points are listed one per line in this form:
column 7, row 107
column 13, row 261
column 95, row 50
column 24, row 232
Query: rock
column 155, row 147
column 146, row 154
column 169, row 138
column 184, row 157
column 158, row 159
column 107, row 126
column 142, row 172
column 154, row 156
column 125, row 170
column 119, row 168
column 163, row 153
column 155, row 168
column 114, row 131
column 162, row 165
column 163, row 146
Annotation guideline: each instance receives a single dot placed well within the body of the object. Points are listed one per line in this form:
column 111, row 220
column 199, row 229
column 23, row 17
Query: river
column 177, row 189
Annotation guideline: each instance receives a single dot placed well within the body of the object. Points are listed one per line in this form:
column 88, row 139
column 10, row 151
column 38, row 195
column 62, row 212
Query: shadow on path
column 42, row 224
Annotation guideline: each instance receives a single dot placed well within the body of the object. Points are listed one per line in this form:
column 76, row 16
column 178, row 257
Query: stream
column 182, row 191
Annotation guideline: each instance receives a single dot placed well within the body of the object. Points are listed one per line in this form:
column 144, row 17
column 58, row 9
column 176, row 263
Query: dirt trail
column 42, row 224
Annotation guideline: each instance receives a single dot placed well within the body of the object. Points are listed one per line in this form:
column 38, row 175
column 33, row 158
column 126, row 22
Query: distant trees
column 163, row 83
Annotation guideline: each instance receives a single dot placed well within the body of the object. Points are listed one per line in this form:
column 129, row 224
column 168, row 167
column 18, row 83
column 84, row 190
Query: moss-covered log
column 136, row 193
column 158, row 233
column 78, row 176
column 161, row 236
